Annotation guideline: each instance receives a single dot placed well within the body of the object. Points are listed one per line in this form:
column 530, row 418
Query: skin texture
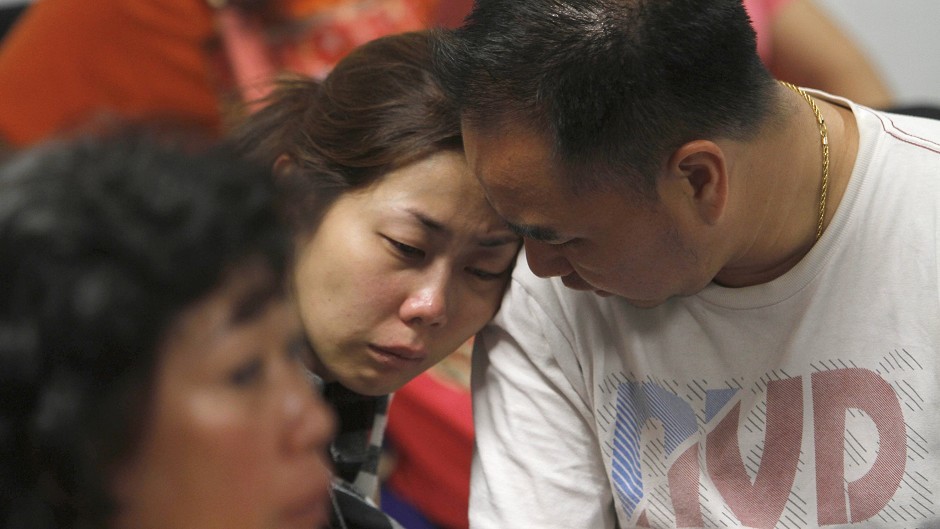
column 581, row 237
column 400, row 274
column 737, row 213
column 237, row 436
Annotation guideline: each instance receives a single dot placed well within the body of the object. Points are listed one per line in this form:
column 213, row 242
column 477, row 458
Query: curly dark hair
column 379, row 109
column 103, row 241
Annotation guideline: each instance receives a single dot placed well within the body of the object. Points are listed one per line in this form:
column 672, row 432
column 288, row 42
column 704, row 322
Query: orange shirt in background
column 67, row 61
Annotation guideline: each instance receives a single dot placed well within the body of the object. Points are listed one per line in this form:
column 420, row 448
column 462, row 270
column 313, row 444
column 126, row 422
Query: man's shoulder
column 910, row 131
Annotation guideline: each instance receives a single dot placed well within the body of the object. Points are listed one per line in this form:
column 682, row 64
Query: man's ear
column 701, row 169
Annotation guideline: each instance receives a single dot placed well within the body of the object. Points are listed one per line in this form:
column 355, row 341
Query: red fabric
column 67, row 60
column 450, row 13
column 431, row 429
column 308, row 42
column 762, row 13
column 320, row 41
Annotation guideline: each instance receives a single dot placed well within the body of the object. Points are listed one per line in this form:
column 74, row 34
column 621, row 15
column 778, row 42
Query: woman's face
column 236, row 437
column 398, row 275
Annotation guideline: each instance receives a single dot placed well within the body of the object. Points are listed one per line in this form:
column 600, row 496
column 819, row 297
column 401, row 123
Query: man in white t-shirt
column 743, row 322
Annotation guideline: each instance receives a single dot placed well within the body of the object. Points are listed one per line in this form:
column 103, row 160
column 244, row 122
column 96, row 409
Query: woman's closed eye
column 405, row 250
column 484, row 274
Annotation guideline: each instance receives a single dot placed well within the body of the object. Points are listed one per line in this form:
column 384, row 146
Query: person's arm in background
column 810, row 50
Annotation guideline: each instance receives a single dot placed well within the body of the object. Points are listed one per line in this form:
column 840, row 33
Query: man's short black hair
column 615, row 84
column 104, row 241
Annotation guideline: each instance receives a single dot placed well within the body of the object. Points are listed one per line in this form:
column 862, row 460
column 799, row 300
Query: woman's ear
column 700, row 167
column 283, row 165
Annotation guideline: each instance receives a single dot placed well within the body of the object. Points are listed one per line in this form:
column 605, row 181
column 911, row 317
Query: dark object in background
column 8, row 17
column 924, row 111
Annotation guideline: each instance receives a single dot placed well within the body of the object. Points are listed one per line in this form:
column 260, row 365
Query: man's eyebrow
column 538, row 233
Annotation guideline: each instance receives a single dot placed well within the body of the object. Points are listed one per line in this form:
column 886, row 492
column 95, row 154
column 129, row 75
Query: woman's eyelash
column 483, row 274
column 413, row 252
column 405, row 249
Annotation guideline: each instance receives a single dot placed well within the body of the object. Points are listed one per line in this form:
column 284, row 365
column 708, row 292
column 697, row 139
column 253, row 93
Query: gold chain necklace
column 824, row 139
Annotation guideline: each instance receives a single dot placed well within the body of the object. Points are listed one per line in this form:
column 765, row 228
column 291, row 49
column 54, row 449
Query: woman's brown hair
column 379, row 109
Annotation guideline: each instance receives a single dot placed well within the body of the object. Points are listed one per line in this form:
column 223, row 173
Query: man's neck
column 778, row 183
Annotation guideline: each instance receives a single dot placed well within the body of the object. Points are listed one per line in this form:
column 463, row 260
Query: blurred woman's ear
column 302, row 203
column 283, row 166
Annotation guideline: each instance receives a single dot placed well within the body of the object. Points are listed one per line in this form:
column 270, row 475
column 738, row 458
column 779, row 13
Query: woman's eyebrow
column 431, row 224
column 500, row 240
column 439, row 227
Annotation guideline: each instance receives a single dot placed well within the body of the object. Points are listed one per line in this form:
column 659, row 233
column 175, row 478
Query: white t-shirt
column 809, row 401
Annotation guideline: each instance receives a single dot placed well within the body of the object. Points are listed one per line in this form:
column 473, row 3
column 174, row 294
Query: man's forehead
column 509, row 156
column 515, row 169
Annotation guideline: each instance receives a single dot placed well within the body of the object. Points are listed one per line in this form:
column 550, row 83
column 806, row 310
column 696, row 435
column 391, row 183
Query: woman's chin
column 373, row 384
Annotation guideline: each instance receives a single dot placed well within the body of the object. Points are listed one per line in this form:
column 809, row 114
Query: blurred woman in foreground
column 151, row 372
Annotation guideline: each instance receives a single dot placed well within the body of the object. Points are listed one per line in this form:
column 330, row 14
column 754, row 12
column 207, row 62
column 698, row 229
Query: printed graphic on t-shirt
column 839, row 445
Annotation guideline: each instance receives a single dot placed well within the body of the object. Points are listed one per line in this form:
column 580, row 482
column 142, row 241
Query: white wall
column 902, row 37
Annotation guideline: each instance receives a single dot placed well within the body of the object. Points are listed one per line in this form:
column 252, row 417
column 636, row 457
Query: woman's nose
column 427, row 303
column 545, row 260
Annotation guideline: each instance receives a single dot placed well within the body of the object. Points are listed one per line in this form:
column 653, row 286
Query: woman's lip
column 404, row 353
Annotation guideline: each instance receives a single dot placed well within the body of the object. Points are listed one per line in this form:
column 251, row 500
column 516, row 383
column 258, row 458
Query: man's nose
column 545, row 260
